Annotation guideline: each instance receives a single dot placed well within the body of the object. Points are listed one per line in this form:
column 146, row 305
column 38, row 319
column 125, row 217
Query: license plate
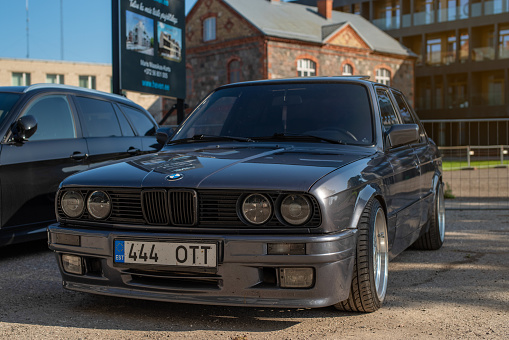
column 166, row 253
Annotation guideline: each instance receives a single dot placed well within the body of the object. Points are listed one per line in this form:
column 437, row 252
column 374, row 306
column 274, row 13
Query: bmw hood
column 250, row 168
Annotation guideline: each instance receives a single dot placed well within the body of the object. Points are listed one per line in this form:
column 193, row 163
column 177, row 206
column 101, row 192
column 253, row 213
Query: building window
column 306, row 68
column 464, row 43
column 87, row 82
column 55, row 78
column 20, row 79
column 434, row 51
column 503, row 42
column 347, row 70
column 234, row 71
column 209, row 29
column 383, row 76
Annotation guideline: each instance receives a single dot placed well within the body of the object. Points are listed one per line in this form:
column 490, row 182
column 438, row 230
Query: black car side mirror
column 401, row 134
column 163, row 133
column 24, row 128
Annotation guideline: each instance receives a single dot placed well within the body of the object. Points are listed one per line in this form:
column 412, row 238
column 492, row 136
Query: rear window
column 340, row 111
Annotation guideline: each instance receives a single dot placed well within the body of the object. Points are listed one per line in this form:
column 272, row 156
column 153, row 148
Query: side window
column 404, row 110
column 387, row 113
column 406, row 114
column 54, row 118
column 99, row 117
column 143, row 125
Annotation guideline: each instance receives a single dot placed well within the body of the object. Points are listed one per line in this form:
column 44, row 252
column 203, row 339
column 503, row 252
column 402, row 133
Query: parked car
column 290, row 193
column 51, row 131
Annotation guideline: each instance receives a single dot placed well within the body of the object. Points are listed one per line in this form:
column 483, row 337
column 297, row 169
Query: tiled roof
column 300, row 22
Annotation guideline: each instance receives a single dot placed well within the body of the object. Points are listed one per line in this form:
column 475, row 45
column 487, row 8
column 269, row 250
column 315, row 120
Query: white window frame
column 89, row 81
column 25, row 78
column 383, row 76
column 209, row 29
column 347, row 70
column 59, row 78
column 306, row 68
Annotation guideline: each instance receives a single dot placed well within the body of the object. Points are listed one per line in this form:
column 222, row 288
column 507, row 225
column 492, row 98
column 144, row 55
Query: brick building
column 237, row 40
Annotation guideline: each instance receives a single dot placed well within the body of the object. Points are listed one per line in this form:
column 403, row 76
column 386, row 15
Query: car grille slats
column 155, row 207
column 181, row 208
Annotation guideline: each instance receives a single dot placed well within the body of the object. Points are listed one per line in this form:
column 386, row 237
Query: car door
column 30, row 172
column 423, row 152
column 404, row 186
column 144, row 125
column 108, row 135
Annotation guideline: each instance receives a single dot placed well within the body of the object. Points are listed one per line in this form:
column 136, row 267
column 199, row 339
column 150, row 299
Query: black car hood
column 252, row 168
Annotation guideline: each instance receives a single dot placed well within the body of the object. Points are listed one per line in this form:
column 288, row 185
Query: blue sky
column 87, row 29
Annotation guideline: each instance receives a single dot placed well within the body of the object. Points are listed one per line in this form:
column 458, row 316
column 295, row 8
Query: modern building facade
column 237, row 40
column 462, row 70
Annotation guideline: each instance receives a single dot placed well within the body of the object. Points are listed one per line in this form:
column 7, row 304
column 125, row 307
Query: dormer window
column 209, row 29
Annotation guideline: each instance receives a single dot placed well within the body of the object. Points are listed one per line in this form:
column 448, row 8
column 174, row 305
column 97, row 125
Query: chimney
column 324, row 8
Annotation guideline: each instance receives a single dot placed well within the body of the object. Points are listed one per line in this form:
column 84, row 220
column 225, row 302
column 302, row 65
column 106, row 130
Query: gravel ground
column 458, row 292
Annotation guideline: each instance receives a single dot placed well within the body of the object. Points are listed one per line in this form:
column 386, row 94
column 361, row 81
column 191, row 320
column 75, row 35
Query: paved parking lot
column 460, row 291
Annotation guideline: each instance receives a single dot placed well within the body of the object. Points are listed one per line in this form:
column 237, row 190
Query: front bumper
column 245, row 275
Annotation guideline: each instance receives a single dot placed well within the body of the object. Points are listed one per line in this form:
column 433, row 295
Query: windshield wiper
column 204, row 138
column 298, row 135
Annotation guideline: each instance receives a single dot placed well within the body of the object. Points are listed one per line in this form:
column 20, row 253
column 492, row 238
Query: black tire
column 365, row 295
column 434, row 237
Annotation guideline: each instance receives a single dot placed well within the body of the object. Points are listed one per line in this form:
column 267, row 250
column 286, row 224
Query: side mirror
column 402, row 134
column 163, row 133
column 24, row 128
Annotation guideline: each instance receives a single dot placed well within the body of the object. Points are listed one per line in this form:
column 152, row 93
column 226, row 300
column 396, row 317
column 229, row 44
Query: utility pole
column 28, row 44
column 61, row 29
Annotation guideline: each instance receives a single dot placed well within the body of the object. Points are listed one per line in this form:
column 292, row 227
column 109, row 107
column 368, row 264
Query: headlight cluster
column 292, row 209
column 98, row 204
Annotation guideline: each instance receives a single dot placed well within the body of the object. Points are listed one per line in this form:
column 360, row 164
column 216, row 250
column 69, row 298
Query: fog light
column 296, row 277
column 72, row 264
column 286, row 249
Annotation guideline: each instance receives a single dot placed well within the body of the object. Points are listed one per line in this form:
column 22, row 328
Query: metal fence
column 475, row 161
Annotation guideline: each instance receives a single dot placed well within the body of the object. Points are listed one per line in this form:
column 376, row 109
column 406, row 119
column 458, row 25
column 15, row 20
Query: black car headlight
column 99, row 205
column 296, row 209
column 256, row 209
column 72, row 204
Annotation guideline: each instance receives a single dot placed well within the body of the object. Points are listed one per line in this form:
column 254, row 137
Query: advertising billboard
column 151, row 47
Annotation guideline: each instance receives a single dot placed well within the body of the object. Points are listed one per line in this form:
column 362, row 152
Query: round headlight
column 256, row 209
column 296, row 209
column 99, row 205
column 72, row 204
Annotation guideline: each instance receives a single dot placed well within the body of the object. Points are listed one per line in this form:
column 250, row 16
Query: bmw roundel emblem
column 174, row 177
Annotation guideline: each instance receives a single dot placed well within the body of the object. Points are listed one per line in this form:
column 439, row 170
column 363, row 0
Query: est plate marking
column 166, row 253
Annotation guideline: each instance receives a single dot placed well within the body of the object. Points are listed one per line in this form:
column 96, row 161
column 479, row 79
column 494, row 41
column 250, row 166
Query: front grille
column 155, row 207
column 183, row 207
column 203, row 209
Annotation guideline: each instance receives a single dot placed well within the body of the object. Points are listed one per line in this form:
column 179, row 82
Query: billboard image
column 170, row 42
column 140, row 33
column 151, row 47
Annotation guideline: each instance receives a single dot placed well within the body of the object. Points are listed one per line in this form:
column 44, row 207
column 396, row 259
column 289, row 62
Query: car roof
column 60, row 87
column 308, row 80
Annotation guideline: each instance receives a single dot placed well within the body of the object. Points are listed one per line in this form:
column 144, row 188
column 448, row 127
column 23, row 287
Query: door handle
column 78, row 155
column 133, row 151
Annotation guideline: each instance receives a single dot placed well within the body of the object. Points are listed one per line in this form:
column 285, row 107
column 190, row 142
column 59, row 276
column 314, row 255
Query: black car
column 290, row 193
column 50, row 132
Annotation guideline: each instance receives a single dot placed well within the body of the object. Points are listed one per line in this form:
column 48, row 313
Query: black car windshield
column 7, row 101
column 301, row 111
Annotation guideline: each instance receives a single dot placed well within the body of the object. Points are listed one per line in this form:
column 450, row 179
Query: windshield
column 7, row 101
column 332, row 111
